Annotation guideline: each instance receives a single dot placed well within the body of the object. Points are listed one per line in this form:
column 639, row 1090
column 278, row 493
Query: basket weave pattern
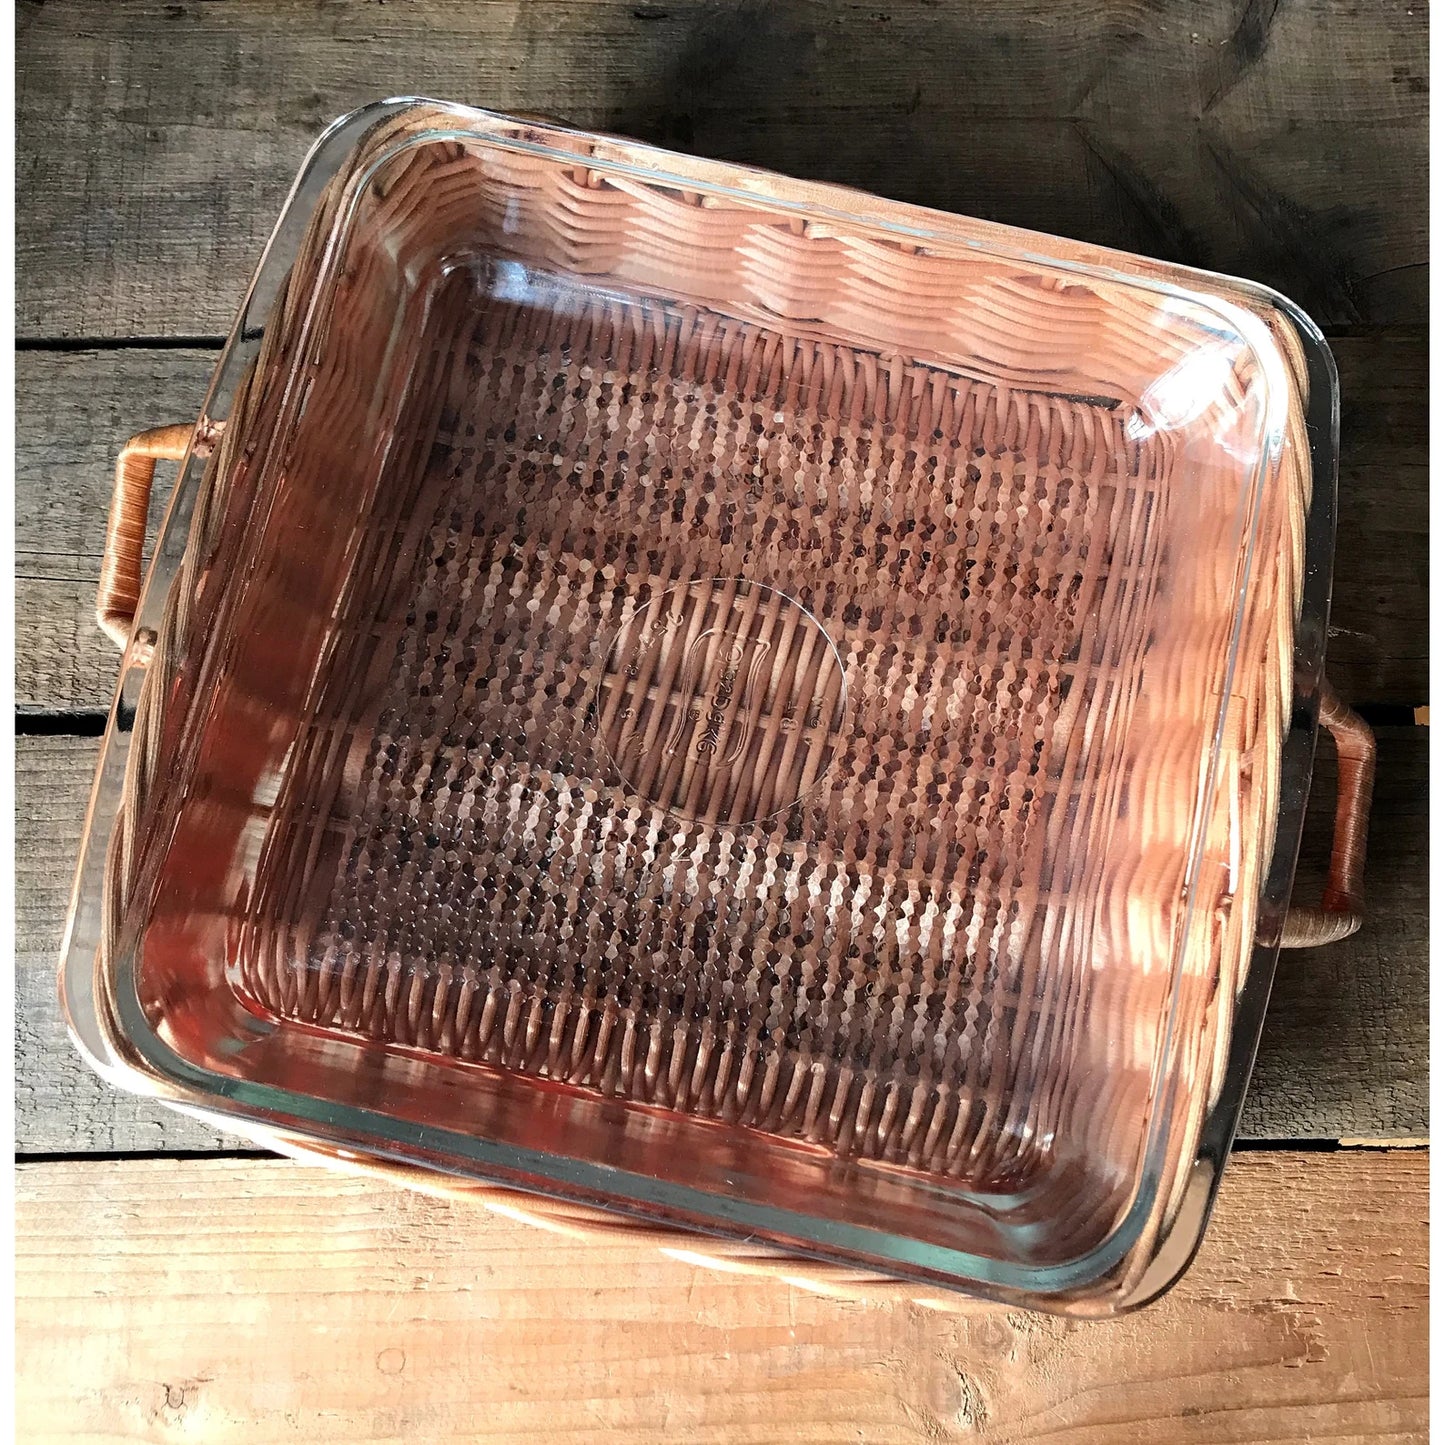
column 738, row 704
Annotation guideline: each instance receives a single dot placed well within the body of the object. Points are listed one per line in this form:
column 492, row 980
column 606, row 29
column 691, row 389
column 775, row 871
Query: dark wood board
column 1345, row 1041
column 1379, row 623
column 1283, row 140
column 74, row 410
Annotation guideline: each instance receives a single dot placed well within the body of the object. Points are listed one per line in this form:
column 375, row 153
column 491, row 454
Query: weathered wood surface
column 158, row 1299
column 1345, row 1041
column 73, row 412
column 1279, row 139
column 228, row 1301
column 74, row 409
column 1347, row 1033
column 1379, row 621
column 61, row 1106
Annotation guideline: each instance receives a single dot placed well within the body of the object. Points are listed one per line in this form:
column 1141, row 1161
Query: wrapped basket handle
column 135, row 468
column 120, row 564
column 1341, row 910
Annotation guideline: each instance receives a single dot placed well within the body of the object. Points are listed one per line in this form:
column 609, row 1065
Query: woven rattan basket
column 731, row 700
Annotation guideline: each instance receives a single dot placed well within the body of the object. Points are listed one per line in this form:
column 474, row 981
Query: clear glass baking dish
column 722, row 699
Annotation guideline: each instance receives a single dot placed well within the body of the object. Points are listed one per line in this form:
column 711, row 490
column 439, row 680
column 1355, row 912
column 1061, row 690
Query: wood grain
column 1345, row 1040
column 1379, row 621
column 160, row 1299
column 75, row 409
column 73, row 412
column 60, row 1104
column 1347, row 1032
column 1279, row 139
column 165, row 1300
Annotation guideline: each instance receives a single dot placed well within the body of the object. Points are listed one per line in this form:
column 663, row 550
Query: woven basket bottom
column 703, row 740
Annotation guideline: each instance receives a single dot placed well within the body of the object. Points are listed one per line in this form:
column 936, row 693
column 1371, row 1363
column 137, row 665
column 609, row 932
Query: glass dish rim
column 369, row 1130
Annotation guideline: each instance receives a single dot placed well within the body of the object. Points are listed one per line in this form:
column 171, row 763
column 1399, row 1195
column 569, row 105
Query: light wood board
column 241, row 1301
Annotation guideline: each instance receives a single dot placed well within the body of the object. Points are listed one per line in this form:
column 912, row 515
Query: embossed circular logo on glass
column 721, row 701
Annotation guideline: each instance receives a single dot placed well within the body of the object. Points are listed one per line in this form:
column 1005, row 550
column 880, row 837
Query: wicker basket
column 667, row 675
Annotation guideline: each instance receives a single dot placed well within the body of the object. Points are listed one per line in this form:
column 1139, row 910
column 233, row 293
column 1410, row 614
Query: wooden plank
column 1343, row 1055
column 1379, row 623
column 1347, row 1032
column 73, row 412
column 61, row 1106
column 243, row 1301
column 74, row 409
column 1279, row 139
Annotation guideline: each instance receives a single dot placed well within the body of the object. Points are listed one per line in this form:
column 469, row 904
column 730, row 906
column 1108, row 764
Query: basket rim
column 949, row 1268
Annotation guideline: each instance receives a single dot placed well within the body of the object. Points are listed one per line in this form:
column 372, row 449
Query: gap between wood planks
column 215, row 343
column 1240, row 1147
